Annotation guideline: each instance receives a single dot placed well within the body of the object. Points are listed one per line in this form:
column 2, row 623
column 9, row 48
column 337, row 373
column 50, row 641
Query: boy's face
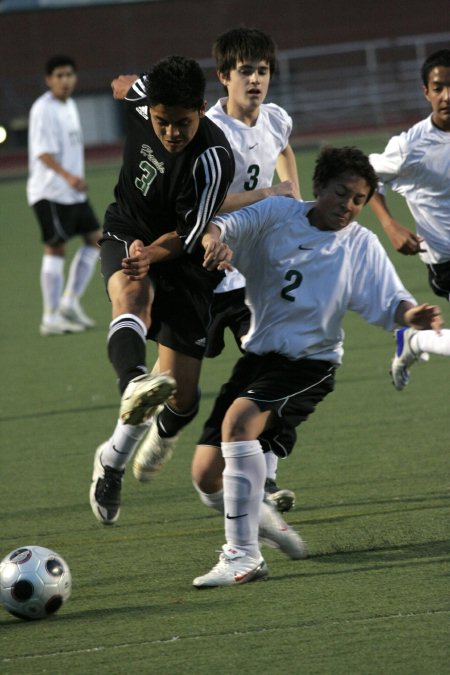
column 62, row 82
column 339, row 202
column 438, row 94
column 175, row 126
column 247, row 84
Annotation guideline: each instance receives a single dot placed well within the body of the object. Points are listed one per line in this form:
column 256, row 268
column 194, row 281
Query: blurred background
column 343, row 66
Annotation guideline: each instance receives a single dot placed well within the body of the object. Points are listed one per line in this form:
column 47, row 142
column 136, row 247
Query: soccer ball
column 34, row 582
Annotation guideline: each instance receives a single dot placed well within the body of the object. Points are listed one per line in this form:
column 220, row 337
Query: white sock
column 431, row 342
column 243, row 489
column 271, row 465
column 214, row 500
column 122, row 444
column 80, row 272
column 52, row 281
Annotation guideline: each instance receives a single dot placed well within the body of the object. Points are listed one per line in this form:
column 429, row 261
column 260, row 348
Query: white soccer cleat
column 74, row 312
column 143, row 395
column 275, row 532
column 404, row 357
column 282, row 499
column 153, row 453
column 59, row 325
column 234, row 567
column 104, row 494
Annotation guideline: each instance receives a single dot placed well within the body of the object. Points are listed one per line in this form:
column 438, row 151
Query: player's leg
column 238, row 318
column 54, row 237
column 243, row 480
column 157, row 447
column 83, row 264
column 412, row 346
column 141, row 392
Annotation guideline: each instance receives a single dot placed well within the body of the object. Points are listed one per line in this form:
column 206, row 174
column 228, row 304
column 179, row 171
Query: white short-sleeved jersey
column 416, row 164
column 256, row 150
column 54, row 128
column 302, row 280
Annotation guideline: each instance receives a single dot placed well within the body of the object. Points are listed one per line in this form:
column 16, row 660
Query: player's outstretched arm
column 403, row 240
column 420, row 317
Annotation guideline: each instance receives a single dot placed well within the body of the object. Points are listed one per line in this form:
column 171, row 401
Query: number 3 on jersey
column 148, row 176
column 295, row 278
column 253, row 173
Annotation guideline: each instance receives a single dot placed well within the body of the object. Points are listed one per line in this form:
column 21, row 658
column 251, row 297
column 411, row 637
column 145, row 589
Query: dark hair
column 176, row 81
column 332, row 162
column 439, row 58
column 58, row 61
column 243, row 44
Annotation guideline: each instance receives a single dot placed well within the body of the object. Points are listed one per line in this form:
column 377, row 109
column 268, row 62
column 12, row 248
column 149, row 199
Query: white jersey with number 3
column 256, row 150
column 302, row 280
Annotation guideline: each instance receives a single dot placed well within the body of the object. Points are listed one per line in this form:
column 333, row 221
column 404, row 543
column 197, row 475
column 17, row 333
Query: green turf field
column 371, row 473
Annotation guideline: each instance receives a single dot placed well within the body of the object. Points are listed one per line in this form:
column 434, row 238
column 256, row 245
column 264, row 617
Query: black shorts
column 61, row 222
column 439, row 279
column 228, row 310
column 183, row 294
column 290, row 389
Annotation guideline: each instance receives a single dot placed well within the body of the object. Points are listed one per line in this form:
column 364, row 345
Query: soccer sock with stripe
column 127, row 348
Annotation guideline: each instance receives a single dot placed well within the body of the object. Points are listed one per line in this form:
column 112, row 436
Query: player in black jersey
column 177, row 167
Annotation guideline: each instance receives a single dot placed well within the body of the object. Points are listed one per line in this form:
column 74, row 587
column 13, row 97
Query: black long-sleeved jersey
column 159, row 192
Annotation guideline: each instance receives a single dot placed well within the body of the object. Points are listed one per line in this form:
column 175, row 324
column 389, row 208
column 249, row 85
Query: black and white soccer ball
column 34, row 582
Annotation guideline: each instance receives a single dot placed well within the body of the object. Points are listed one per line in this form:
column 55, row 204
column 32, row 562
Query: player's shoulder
column 210, row 134
column 275, row 111
column 419, row 132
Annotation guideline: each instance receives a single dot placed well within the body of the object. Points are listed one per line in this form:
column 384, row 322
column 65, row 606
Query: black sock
column 126, row 349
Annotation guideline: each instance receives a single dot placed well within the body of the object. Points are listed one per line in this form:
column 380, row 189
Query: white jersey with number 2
column 302, row 280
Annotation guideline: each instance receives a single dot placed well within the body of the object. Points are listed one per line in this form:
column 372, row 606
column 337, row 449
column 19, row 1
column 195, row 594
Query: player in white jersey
column 416, row 164
column 259, row 135
column 56, row 189
column 309, row 263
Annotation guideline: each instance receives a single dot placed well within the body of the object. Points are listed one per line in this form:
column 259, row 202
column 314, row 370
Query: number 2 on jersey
column 296, row 278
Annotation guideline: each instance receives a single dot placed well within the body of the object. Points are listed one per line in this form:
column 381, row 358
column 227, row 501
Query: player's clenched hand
column 217, row 254
column 137, row 264
column 121, row 85
column 403, row 240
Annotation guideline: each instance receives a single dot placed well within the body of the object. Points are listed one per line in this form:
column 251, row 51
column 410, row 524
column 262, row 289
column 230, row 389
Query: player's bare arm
column 403, row 240
column 420, row 317
column 286, row 168
column 237, row 200
column 122, row 84
column 75, row 182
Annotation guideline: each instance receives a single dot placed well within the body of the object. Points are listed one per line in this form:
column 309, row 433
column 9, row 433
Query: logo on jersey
column 143, row 111
column 148, row 153
column 304, row 248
